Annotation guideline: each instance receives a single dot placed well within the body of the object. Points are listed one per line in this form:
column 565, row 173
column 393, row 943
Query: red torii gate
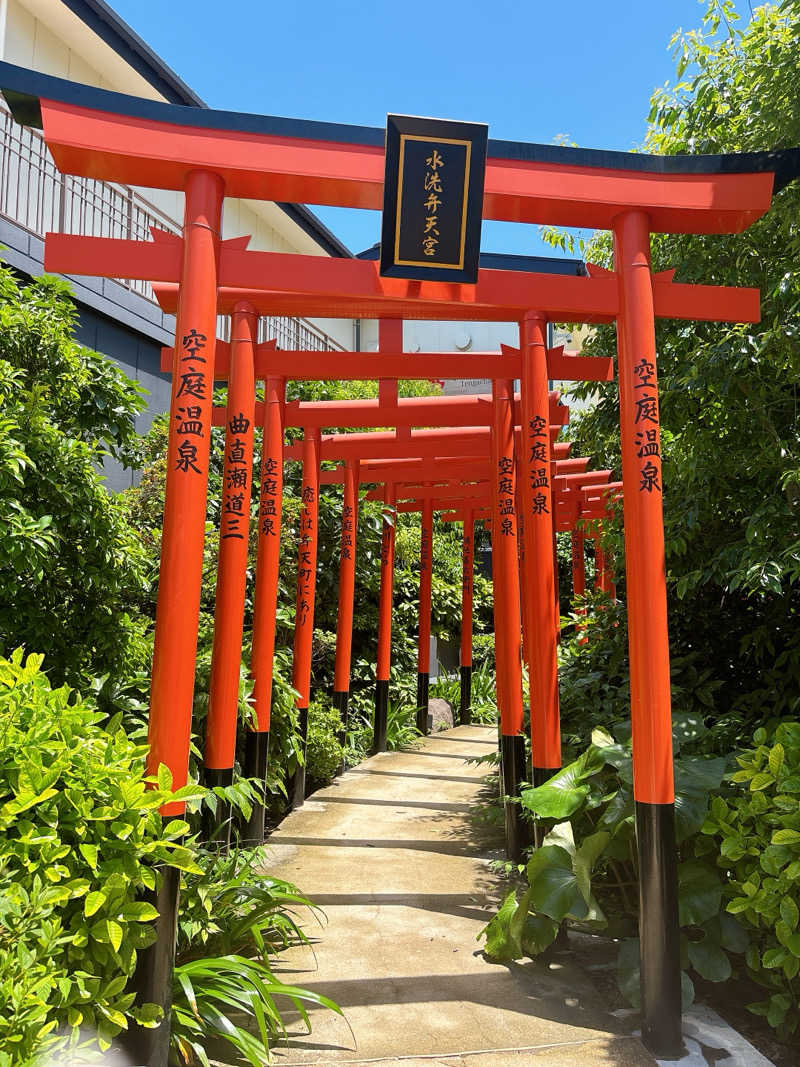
column 209, row 155
column 388, row 409
column 274, row 414
column 425, row 443
column 437, row 495
column 448, row 411
column 398, row 472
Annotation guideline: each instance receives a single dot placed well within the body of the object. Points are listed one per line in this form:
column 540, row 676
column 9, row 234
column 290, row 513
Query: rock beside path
column 442, row 714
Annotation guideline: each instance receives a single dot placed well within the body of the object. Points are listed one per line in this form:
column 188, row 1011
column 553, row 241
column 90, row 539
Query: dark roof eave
column 314, row 227
column 24, row 88
column 117, row 34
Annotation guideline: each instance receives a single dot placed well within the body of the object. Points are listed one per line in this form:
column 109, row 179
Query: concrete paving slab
column 616, row 1052
column 391, row 855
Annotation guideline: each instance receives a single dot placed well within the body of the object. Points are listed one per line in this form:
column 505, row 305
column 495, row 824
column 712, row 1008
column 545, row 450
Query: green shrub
column 484, row 694
column 401, row 726
column 324, row 753
column 231, row 999
column 401, row 716
column 482, row 650
column 72, row 571
column 447, row 688
column 80, row 836
column 755, row 834
column 231, row 906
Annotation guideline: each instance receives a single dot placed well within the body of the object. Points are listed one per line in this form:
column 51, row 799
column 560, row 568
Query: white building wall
column 449, row 337
column 45, row 35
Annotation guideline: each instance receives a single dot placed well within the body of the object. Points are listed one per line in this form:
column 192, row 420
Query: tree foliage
column 729, row 393
column 71, row 571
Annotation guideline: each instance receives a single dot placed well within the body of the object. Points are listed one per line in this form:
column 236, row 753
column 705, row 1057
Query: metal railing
column 294, row 334
column 36, row 196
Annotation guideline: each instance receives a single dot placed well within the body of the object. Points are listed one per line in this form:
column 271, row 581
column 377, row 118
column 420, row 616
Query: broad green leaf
column 777, row 755
column 709, row 960
column 164, row 778
column 732, row 935
column 139, row 911
column 789, row 912
column 700, row 893
column 786, row 837
column 93, row 902
column 554, row 801
column 554, row 885
column 538, row 933
column 762, row 780
column 114, row 934
column 773, row 957
column 500, row 944
column 586, row 855
column 90, row 854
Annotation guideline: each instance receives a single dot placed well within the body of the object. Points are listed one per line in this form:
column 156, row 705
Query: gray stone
column 440, row 714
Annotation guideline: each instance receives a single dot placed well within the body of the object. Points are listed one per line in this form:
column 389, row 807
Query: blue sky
column 534, row 71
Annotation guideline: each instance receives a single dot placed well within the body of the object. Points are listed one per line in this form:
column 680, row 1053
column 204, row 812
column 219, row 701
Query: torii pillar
column 467, row 583
column 265, row 604
column 181, row 570
column 648, row 639
column 385, row 601
column 306, row 594
column 347, row 580
column 537, row 499
column 424, row 615
column 226, row 652
column 505, row 583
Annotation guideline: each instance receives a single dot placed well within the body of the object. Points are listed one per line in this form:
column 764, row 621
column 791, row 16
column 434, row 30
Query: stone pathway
column 390, row 853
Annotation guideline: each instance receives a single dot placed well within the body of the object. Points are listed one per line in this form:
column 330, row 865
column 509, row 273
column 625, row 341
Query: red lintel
column 440, row 411
column 373, row 366
column 420, row 444
column 152, row 153
column 404, row 471
column 280, row 283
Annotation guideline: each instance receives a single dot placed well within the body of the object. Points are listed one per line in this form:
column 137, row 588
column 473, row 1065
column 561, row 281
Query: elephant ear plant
column 586, row 873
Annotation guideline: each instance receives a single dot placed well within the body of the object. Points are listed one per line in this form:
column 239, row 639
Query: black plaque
column 433, row 199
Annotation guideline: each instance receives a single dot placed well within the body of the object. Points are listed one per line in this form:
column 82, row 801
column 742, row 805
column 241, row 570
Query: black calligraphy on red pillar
column 577, row 552
column 539, row 477
column 466, row 573
column 268, row 509
column 193, row 343
column 425, row 548
column 305, row 565
column 189, row 417
column 505, row 495
column 236, row 497
column 347, row 532
column 187, row 457
column 647, row 438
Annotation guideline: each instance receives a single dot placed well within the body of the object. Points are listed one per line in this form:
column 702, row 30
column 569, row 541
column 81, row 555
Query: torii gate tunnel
column 210, row 155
